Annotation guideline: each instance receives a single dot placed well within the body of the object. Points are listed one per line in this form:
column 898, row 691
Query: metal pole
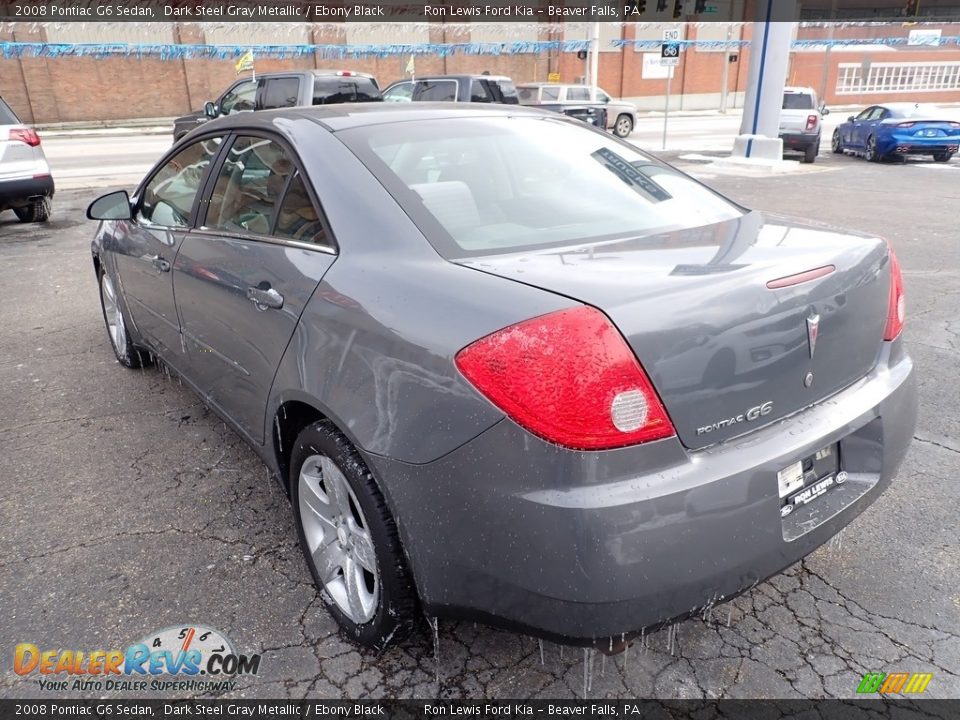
column 666, row 109
column 594, row 59
column 826, row 55
column 726, row 71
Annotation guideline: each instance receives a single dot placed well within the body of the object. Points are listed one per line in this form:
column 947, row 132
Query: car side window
column 882, row 114
column 297, row 218
column 578, row 94
column 252, row 179
column 281, row 92
column 549, row 93
column 865, row 115
column 602, row 96
column 479, row 93
column 167, row 199
column 435, row 91
column 401, row 92
column 239, row 98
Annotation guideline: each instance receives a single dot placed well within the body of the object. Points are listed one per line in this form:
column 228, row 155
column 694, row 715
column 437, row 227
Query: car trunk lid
column 731, row 330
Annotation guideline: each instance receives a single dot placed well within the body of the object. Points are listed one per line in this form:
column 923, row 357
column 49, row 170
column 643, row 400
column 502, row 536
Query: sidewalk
column 113, row 128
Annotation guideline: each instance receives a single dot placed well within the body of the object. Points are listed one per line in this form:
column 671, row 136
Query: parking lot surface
column 127, row 507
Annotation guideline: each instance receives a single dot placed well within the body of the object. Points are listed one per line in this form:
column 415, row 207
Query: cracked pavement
column 127, row 507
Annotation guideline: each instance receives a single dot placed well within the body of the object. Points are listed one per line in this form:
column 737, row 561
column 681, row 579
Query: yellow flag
column 410, row 66
column 245, row 62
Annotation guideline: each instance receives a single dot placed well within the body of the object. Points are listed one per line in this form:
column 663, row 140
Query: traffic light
column 912, row 7
column 641, row 6
column 661, row 5
column 700, row 7
column 677, row 9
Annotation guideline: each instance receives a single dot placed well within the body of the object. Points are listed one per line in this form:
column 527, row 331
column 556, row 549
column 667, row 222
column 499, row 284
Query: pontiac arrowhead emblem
column 813, row 329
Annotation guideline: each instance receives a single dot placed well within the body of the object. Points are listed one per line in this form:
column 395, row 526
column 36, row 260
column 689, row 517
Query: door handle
column 265, row 299
column 159, row 264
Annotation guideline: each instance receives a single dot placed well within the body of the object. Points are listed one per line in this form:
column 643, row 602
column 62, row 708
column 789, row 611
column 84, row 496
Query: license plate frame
column 806, row 480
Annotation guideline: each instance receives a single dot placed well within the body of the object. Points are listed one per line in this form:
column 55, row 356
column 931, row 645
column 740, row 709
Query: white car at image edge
column 26, row 186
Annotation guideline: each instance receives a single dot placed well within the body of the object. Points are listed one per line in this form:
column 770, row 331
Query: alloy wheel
column 338, row 539
column 837, row 144
column 111, row 310
column 871, row 153
column 623, row 127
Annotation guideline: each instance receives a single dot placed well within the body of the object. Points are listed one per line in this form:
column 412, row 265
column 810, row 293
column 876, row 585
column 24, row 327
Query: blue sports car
column 899, row 129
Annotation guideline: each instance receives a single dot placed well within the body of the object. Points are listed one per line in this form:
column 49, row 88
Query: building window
column 903, row 77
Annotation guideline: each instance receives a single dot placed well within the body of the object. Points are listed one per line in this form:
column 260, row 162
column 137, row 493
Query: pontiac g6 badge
column 813, row 330
column 754, row 413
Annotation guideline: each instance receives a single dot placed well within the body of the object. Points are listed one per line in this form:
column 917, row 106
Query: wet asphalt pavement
column 127, row 507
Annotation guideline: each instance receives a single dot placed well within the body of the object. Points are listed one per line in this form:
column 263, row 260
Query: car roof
column 789, row 89
column 342, row 116
column 465, row 76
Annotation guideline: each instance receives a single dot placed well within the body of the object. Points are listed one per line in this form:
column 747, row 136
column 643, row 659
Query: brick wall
column 46, row 90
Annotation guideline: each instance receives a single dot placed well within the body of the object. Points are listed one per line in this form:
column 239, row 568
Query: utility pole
column 594, row 58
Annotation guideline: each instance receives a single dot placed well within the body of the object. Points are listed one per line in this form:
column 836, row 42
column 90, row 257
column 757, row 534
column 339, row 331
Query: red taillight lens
column 25, row 135
column 570, row 378
column 896, row 305
column 811, row 122
column 906, row 125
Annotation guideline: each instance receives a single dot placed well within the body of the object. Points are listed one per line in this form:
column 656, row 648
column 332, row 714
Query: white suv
column 25, row 183
column 801, row 122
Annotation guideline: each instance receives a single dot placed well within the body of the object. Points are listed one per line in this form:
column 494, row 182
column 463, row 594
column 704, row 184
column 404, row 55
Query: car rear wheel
column 349, row 539
column 38, row 211
column 623, row 127
column 836, row 144
column 128, row 354
column 942, row 156
column 810, row 153
column 871, row 153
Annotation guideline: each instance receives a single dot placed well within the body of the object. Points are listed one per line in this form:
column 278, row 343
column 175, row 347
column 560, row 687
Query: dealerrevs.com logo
column 188, row 658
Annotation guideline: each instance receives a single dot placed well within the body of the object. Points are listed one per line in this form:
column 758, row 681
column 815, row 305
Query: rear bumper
column 580, row 547
column 910, row 145
column 799, row 141
column 17, row 193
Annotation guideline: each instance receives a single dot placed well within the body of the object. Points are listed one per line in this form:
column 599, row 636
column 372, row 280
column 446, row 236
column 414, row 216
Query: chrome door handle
column 159, row 264
column 265, row 299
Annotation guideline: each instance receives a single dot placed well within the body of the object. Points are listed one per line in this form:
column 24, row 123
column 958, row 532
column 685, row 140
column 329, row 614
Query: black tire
column 836, row 144
column 38, row 211
column 870, row 151
column 127, row 354
column 623, row 126
column 395, row 613
column 942, row 157
column 810, row 154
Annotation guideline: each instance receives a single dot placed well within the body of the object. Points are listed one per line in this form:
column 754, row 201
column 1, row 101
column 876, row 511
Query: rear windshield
column 479, row 186
column 435, row 91
column 337, row 89
column 7, row 117
column 528, row 95
column 797, row 101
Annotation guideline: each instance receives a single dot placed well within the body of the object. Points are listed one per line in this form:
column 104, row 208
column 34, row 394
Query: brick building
column 114, row 87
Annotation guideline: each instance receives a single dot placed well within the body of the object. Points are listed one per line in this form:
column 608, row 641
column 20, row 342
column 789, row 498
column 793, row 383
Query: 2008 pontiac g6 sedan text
column 510, row 368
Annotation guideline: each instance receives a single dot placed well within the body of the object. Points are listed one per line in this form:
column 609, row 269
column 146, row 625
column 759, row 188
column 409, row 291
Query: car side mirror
column 824, row 110
column 851, row 118
column 210, row 109
column 112, row 206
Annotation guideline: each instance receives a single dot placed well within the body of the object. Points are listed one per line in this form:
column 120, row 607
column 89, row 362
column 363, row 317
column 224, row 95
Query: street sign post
column 669, row 57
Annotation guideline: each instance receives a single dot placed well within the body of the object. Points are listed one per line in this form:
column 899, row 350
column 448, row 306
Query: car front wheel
column 349, row 539
column 836, row 144
column 623, row 127
column 127, row 353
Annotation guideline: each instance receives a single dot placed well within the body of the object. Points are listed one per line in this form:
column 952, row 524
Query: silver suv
column 26, row 186
column 801, row 122
column 621, row 116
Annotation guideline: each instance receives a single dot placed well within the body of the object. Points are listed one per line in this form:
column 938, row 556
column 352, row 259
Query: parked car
column 801, row 122
column 621, row 117
column 26, row 186
column 898, row 129
column 453, row 88
column 451, row 331
column 284, row 89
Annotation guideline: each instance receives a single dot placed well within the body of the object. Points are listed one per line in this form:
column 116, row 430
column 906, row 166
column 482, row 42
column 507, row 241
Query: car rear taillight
column 344, row 73
column 811, row 122
column 570, row 378
column 906, row 125
column 25, row 135
column 896, row 304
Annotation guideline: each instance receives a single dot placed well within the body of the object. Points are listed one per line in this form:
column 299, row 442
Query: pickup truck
column 299, row 88
column 621, row 117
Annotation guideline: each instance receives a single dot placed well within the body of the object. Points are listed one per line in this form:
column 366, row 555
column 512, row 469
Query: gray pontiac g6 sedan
column 510, row 368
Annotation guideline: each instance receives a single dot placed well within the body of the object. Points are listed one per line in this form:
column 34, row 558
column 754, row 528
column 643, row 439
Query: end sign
column 670, row 49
